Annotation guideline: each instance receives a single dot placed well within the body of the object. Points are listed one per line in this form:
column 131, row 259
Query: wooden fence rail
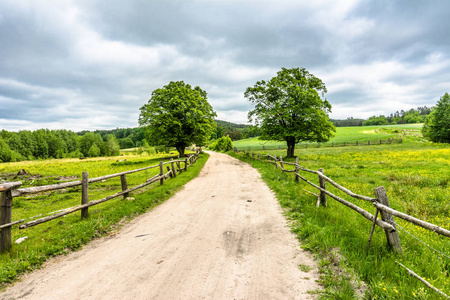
column 9, row 190
column 380, row 202
column 319, row 145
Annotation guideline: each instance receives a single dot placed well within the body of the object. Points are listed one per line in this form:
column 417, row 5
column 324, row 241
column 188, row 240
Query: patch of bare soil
column 222, row 237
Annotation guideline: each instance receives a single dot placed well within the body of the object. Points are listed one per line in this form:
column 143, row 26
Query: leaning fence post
column 392, row 237
column 84, row 194
column 174, row 172
column 297, row 164
column 322, row 196
column 281, row 162
column 161, row 172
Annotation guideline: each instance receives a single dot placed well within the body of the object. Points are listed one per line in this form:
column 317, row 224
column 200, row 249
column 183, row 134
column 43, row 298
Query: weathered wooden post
column 84, row 194
column 297, row 164
column 345, row 144
column 392, row 237
column 281, row 162
column 6, row 202
column 185, row 164
column 322, row 196
column 258, row 155
column 161, row 172
column 123, row 182
column 368, row 143
column 174, row 172
column 356, row 143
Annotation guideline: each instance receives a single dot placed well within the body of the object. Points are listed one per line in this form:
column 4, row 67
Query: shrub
column 222, row 144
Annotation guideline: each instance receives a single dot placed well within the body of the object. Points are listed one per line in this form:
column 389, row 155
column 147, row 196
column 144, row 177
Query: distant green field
column 346, row 134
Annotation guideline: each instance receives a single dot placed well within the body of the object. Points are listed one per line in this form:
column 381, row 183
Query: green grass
column 69, row 233
column 344, row 134
column 415, row 175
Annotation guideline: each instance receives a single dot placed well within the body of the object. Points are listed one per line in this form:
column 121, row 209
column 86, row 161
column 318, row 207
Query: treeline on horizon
column 62, row 143
column 45, row 143
column 411, row 116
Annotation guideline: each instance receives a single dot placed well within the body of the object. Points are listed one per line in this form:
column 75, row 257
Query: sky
column 88, row 64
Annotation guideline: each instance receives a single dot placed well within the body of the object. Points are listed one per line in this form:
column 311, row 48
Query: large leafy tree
column 437, row 124
column 291, row 107
column 178, row 115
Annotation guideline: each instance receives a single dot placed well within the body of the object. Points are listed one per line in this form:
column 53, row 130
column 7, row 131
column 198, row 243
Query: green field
column 417, row 180
column 344, row 134
column 69, row 233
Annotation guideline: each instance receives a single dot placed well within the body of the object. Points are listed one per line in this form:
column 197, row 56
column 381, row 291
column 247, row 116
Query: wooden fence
column 9, row 190
column 380, row 201
column 319, row 145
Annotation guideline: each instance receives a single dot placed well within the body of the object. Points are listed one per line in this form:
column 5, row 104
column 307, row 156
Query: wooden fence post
column 6, row 202
column 392, row 237
column 297, row 163
column 161, row 172
column 185, row 164
column 322, row 196
column 123, row 182
column 173, row 168
column 356, row 143
column 84, row 194
column 5, row 218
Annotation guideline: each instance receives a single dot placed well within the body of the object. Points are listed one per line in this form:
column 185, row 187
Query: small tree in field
column 291, row 107
column 178, row 115
column 437, row 125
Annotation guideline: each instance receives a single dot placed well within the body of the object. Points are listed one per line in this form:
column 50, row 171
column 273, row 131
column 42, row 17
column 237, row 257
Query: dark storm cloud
column 93, row 64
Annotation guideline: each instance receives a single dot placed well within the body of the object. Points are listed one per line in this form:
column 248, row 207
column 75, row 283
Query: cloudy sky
column 86, row 64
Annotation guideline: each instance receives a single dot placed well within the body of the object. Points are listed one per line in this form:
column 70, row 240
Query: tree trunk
column 291, row 147
column 180, row 149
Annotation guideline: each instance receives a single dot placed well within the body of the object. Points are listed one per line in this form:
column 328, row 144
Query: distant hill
column 230, row 124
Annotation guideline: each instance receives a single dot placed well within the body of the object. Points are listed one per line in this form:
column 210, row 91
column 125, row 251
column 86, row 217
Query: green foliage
column 437, row 124
column 291, row 107
column 222, row 144
column 178, row 115
column 112, row 145
column 93, row 151
column 5, row 151
column 374, row 120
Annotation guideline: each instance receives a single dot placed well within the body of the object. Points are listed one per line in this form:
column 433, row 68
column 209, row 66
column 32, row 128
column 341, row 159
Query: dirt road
column 222, row 237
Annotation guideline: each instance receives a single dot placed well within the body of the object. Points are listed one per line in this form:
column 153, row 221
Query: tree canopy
column 437, row 124
column 291, row 107
column 178, row 115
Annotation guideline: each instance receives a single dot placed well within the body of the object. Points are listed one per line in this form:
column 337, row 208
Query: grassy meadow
column 417, row 180
column 69, row 233
column 343, row 134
